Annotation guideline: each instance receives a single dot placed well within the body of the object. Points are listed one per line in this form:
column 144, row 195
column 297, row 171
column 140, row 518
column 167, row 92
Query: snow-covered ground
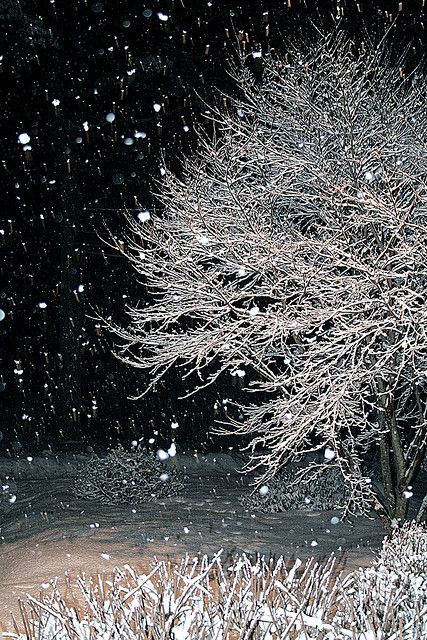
column 46, row 531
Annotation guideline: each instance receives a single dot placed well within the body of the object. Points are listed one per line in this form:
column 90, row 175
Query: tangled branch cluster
column 392, row 594
column 316, row 494
column 127, row 478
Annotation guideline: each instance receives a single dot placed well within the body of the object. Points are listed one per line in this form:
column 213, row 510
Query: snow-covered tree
column 292, row 251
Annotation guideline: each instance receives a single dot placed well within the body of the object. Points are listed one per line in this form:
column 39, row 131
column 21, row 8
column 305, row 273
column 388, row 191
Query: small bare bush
column 127, row 478
column 283, row 494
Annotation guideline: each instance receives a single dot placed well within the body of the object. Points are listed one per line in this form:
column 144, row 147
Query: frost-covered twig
column 205, row 598
column 293, row 253
column 124, row 477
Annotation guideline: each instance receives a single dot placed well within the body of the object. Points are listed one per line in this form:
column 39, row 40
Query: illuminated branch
column 295, row 247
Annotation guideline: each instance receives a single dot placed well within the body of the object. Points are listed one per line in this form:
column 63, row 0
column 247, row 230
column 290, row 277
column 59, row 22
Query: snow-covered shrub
column 202, row 598
column 391, row 596
column 198, row 598
column 127, row 478
column 282, row 493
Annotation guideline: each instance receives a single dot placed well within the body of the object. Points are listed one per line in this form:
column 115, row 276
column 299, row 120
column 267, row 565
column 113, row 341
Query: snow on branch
column 294, row 246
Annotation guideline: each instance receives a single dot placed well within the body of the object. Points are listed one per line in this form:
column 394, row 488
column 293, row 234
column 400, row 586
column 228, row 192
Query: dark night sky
column 65, row 67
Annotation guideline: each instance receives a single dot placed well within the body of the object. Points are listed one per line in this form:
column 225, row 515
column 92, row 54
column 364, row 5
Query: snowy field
column 47, row 532
column 50, row 537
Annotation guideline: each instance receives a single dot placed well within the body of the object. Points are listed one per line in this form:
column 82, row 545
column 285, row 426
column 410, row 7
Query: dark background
column 59, row 383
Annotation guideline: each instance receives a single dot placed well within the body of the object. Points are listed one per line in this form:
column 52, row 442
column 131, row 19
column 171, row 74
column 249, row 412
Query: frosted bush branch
column 294, row 247
column 246, row 599
column 124, row 477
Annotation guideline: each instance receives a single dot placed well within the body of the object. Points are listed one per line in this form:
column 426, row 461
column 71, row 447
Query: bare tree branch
column 294, row 248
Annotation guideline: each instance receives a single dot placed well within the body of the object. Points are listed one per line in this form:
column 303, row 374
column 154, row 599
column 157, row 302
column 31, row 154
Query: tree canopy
column 292, row 252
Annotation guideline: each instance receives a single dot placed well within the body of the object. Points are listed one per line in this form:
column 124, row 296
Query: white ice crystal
column 239, row 373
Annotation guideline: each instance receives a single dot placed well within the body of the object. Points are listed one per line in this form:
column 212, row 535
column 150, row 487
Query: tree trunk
column 402, row 481
column 422, row 512
column 393, row 464
column 386, row 473
column 401, row 509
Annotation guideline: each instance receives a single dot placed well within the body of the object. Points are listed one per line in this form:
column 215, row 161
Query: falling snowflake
column 143, row 216
column 24, row 138
column 329, row 454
